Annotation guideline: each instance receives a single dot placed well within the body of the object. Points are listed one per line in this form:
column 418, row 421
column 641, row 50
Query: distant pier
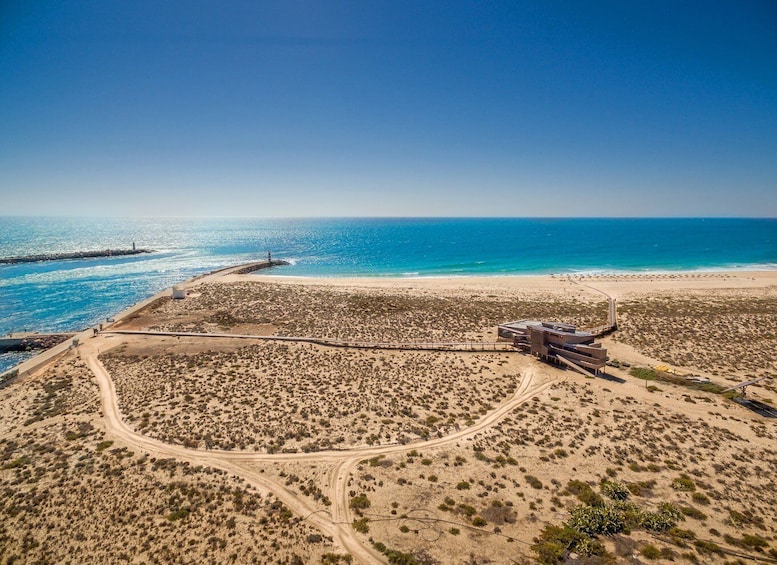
column 77, row 255
column 260, row 265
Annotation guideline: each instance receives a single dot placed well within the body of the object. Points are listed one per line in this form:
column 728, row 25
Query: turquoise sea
column 74, row 294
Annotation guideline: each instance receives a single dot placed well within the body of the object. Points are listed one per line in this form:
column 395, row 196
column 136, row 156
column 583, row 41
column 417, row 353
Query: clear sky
column 388, row 108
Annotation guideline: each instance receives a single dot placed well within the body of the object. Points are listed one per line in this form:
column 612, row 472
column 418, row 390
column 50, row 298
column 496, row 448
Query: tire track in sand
column 335, row 522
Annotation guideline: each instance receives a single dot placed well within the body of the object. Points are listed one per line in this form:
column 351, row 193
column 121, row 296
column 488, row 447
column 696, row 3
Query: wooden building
column 556, row 342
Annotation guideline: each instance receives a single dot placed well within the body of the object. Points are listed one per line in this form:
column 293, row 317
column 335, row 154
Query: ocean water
column 74, row 294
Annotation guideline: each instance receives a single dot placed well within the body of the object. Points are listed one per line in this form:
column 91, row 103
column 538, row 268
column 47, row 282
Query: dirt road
column 335, row 522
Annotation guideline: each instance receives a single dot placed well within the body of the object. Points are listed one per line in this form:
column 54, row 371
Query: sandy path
column 337, row 522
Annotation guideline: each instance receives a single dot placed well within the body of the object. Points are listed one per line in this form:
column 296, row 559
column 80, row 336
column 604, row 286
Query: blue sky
column 395, row 108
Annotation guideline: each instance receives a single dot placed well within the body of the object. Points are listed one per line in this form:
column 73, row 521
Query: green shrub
column 700, row 498
column 632, row 515
column 650, row 551
column 468, row 510
column 684, row 483
column 640, row 488
column 680, row 534
column 103, row 445
column 615, row 491
column 737, row 518
column 643, row 373
column 584, row 493
column 479, row 522
column 396, row 557
column 360, row 502
column 533, row 481
column 334, row 559
column 665, row 518
column 596, row 520
column 692, row 512
column 361, row 526
column 18, row 462
column 754, row 541
column 463, row 485
column 555, row 543
column 704, row 547
column 179, row 514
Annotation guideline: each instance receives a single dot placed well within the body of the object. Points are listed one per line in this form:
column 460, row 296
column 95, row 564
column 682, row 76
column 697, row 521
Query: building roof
column 559, row 328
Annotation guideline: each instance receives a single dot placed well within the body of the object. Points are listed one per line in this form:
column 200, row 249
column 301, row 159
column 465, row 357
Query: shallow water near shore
column 73, row 294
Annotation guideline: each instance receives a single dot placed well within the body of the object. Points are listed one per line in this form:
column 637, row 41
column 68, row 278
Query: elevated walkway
column 465, row 346
column 575, row 366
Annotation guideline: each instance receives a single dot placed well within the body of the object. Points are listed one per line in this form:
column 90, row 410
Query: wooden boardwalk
column 612, row 312
column 462, row 346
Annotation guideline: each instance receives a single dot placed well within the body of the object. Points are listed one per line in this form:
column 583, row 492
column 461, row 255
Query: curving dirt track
column 335, row 522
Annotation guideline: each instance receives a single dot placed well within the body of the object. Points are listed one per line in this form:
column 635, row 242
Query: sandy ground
column 74, row 492
column 144, row 448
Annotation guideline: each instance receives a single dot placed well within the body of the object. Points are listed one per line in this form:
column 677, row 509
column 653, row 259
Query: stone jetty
column 77, row 255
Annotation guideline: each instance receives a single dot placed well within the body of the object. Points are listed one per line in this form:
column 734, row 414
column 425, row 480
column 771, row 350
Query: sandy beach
column 192, row 448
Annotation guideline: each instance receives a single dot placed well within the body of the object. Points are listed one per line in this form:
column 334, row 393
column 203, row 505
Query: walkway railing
column 354, row 344
column 612, row 311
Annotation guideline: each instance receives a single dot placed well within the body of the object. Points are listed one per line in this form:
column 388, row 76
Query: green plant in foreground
column 643, row 373
column 584, row 493
column 650, row 551
column 684, row 483
column 599, row 520
column 555, row 543
column 361, row 526
column 614, row 490
column 703, row 547
column 579, row 533
column 663, row 519
column 396, row 557
column 360, row 502
column 533, row 481
column 103, row 445
column 693, row 512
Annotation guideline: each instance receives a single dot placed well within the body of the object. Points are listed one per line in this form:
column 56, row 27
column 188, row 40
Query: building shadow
column 758, row 407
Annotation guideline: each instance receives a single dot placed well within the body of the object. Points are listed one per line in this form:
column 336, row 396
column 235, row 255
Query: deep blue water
column 71, row 295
